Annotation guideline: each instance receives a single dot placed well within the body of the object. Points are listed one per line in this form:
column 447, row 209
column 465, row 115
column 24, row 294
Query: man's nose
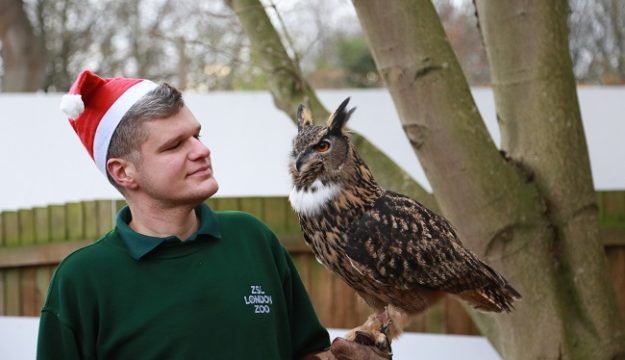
column 199, row 150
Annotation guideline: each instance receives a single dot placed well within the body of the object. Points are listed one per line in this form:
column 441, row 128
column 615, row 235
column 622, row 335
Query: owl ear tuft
column 304, row 116
column 337, row 121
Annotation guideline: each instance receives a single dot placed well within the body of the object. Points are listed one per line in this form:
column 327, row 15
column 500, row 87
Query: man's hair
column 162, row 102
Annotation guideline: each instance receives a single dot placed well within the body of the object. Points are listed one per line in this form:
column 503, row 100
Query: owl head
column 321, row 152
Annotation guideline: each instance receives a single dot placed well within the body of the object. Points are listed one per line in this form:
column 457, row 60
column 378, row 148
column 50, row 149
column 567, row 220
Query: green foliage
column 355, row 58
column 345, row 61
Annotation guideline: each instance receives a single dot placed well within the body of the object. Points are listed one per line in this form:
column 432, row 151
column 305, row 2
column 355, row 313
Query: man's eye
column 322, row 146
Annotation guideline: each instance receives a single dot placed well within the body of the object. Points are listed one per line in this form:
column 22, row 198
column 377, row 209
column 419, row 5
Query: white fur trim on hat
column 72, row 105
column 113, row 116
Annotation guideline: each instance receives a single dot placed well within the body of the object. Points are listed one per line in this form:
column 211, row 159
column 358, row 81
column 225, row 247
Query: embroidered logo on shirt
column 259, row 300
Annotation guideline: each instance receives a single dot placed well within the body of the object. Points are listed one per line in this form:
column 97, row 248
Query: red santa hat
column 96, row 105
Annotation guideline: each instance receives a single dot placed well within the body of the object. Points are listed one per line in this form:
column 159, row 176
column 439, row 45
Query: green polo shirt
column 229, row 291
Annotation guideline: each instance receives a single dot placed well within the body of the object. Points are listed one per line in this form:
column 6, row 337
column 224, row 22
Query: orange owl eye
column 322, row 146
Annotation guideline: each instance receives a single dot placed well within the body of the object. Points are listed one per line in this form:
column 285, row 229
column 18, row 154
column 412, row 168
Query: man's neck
column 158, row 221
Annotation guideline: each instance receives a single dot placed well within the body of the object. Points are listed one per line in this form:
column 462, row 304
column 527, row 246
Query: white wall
column 44, row 163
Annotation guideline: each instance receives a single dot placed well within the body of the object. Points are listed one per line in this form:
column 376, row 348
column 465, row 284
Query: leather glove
column 362, row 348
column 354, row 350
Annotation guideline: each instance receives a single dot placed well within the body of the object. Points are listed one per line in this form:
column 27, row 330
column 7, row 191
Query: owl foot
column 387, row 339
column 371, row 337
column 380, row 329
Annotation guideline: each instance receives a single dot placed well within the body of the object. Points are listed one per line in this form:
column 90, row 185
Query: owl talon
column 364, row 338
column 383, row 342
column 379, row 340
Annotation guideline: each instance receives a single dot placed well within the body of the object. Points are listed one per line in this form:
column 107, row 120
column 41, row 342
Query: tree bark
column 502, row 206
column 540, row 121
column 289, row 88
column 23, row 65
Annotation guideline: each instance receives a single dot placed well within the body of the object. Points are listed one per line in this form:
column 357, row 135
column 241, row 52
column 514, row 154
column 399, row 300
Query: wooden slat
column 26, row 227
column 344, row 304
column 42, row 274
column 58, row 224
column 252, row 205
column 36, row 255
column 227, row 203
column 105, row 216
column 275, row 210
column 42, row 225
column 212, row 203
column 417, row 323
column 435, row 318
column 42, row 282
column 295, row 244
column 90, row 216
column 11, row 229
column 291, row 220
column 12, row 298
column 28, row 292
column 321, row 292
column 616, row 265
column 2, row 293
column 612, row 236
column 118, row 205
column 75, row 221
column 457, row 320
column 612, row 206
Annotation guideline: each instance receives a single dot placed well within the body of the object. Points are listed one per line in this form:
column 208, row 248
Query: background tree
column 193, row 45
column 598, row 40
column 200, row 45
column 22, row 62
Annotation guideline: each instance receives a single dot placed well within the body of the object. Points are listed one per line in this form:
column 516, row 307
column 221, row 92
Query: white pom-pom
column 72, row 105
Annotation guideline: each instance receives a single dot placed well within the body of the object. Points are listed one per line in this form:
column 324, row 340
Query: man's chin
column 211, row 188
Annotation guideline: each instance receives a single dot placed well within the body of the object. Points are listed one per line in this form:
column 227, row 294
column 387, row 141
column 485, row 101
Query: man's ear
column 122, row 172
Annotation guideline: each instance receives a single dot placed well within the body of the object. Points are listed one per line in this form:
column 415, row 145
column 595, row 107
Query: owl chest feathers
column 310, row 201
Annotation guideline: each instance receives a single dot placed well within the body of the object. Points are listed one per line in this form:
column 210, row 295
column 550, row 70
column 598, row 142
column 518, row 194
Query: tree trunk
column 531, row 213
column 540, row 121
column 23, row 65
column 289, row 88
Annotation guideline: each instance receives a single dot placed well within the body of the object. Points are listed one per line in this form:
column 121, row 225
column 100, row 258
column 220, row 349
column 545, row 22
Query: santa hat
column 96, row 105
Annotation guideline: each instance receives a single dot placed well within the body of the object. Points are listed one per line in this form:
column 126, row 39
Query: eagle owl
column 399, row 256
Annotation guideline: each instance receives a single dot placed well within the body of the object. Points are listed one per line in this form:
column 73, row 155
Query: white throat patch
column 310, row 202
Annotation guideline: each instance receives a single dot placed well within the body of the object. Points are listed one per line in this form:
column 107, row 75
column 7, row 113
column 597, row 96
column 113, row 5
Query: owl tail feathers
column 494, row 298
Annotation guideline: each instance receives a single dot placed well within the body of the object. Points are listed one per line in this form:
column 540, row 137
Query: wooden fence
column 32, row 242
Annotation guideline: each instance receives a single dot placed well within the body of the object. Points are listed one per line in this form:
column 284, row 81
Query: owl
column 399, row 256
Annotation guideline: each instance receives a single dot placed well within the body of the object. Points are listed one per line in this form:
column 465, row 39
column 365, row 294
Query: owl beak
column 298, row 162
column 301, row 159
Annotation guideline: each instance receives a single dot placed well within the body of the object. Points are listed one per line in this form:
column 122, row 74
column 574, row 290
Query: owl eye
column 322, row 146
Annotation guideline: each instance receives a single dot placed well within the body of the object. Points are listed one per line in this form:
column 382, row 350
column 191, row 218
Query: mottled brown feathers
column 388, row 247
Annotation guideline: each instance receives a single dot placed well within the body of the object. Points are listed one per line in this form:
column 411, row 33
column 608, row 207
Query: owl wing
column 402, row 244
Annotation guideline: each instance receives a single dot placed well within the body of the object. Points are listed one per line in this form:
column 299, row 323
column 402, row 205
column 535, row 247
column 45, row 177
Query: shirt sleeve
column 308, row 335
column 56, row 339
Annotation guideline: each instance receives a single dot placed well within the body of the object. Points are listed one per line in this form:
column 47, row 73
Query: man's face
column 175, row 166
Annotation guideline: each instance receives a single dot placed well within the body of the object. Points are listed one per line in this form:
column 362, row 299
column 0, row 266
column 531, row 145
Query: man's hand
column 362, row 348
column 351, row 350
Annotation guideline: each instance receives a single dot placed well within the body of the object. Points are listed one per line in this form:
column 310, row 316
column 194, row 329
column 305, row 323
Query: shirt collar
column 139, row 245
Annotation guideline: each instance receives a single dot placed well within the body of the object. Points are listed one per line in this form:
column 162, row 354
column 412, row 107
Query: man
column 173, row 279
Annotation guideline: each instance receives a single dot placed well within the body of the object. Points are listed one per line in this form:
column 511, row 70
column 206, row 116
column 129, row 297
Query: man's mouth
column 202, row 171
